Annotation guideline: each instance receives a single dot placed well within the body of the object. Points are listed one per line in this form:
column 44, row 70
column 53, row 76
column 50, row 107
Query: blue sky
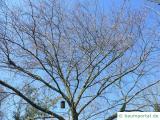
column 105, row 3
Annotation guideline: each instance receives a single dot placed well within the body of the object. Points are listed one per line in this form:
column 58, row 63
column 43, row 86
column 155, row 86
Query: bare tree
column 94, row 59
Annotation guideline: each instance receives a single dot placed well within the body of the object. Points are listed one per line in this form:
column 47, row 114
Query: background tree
column 24, row 111
column 95, row 59
column 155, row 1
column 3, row 97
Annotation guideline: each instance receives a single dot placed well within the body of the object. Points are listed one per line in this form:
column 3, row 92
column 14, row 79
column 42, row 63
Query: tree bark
column 74, row 114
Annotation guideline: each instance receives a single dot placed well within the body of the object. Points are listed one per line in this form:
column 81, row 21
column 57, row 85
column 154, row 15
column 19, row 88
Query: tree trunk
column 74, row 114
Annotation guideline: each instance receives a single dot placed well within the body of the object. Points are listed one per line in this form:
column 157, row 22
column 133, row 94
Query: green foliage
column 156, row 107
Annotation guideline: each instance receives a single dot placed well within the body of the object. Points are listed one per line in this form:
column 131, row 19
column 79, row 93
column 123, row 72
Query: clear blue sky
column 105, row 3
